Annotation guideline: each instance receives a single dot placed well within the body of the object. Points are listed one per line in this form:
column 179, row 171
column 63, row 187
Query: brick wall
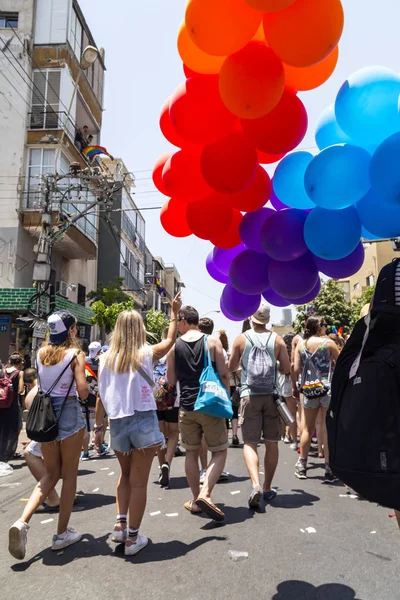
column 18, row 298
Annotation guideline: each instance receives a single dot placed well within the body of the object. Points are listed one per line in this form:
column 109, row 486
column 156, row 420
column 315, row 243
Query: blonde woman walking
column 126, row 395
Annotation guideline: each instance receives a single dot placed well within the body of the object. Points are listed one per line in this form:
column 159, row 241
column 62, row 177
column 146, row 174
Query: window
column 370, row 280
column 356, row 286
column 75, row 35
column 81, row 294
column 45, row 104
column 40, row 162
column 8, row 20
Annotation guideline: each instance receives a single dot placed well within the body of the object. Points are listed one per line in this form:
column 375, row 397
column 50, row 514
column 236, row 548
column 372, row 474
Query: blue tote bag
column 213, row 399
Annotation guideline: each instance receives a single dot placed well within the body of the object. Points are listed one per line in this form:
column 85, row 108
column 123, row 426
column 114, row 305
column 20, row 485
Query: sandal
column 189, row 506
column 210, row 509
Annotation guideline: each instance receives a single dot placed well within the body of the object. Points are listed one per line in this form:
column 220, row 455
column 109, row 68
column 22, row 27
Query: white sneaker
column 119, row 536
column 132, row 549
column 17, row 537
column 294, row 446
column 65, row 539
column 202, row 476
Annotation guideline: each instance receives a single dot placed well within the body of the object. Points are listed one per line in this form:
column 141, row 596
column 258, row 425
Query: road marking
column 9, row 484
column 95, row 490
column 171, row 515
column 154, row 514
column 311, row 530
column 235, row 492
column 104, row 469
column 372, row 531
column 112, row 473
column 46, row 521
column 24, row 499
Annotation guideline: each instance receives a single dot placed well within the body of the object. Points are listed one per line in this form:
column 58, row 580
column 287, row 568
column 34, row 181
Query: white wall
column 83, row 272
column 15, row 98
column 51, row 22
column 67, row 86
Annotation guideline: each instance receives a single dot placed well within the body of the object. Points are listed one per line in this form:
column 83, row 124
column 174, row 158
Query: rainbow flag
column 92, row 151
column 160, row 289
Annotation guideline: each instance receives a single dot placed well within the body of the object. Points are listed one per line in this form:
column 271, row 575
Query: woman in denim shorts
column 59, row 360
column 126, row 394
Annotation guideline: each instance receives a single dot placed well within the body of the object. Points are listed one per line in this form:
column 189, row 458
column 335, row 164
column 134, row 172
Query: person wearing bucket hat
column 262, row 353
column 59, row 361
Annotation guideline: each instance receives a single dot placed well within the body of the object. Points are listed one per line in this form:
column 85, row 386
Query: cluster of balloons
column 238, row 109
column 323, row 206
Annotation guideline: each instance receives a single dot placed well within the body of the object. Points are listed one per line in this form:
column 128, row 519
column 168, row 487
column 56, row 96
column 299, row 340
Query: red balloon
column 182, row 177
column 209, row 217
column 173, row 219
column 197, row 111
column 189, row 73
column 157, row 172
column 230, row 164
column 255, row 196
column 282, row 129
column 230, row 238
column 268, row 159
column 168, row 130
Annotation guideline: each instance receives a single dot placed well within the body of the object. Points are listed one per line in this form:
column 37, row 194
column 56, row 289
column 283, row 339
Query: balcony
column 131, row 283
column 131, row 232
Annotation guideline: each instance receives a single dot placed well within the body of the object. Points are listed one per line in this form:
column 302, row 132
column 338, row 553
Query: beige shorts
column 259, row 419
column 192, row 425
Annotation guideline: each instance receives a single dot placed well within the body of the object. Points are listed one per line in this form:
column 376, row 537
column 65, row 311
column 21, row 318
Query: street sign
column 4, row 324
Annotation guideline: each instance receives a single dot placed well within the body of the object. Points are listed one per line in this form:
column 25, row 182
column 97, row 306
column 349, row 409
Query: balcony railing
column 131, row 283
column 130, row 230
column 52, row 120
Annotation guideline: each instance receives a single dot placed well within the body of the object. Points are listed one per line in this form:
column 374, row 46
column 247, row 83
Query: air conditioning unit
column 62, row 288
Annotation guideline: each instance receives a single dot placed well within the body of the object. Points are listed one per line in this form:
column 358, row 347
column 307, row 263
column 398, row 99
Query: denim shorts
column 138, row 431
column 71, row 420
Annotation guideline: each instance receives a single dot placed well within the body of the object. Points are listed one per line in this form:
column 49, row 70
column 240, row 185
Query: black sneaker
column 235, row 441
column 164, row 475
column 178, row 452
column 300, row 469
column 329, row 476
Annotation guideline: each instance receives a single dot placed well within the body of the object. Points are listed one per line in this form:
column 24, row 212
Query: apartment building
column 162, row 283
column 122, row 249
column 48, row 94
column 377, row 255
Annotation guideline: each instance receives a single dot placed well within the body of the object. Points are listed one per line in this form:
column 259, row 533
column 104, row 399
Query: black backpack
column 363, row 420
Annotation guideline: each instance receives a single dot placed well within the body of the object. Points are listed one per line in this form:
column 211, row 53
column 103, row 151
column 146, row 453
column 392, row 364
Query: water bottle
column 283, row 411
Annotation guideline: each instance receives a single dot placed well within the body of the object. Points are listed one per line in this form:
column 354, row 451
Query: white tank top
column 48, row 376
column 123, row 394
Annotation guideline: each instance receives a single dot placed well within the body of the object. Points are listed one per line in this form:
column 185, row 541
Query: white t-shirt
column 123, row 394
column 48, row 375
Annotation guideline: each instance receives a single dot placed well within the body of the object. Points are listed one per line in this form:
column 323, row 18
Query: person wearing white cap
column 61, row 374
column 262, row 354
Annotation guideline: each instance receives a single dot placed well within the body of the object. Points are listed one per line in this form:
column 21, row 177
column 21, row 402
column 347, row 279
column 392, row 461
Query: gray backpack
column 261, row 369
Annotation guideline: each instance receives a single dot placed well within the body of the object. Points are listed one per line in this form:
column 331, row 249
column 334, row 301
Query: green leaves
column 155, row 322
column 331, row 304
column 106, row 316
column 109, row 295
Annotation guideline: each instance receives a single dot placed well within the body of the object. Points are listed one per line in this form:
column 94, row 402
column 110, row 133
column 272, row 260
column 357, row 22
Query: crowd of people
column 146, row 395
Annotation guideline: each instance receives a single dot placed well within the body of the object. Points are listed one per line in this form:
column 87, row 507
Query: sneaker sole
column 164, row 479
column 118, row 540
column 66, row 544
column 300, row 476
column 14, row 544
column 255, row 500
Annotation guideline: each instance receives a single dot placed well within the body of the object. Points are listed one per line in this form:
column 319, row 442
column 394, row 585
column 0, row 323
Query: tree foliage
column 113, row 294
column 106, row 316
column 155, row 322
column 358, row 304
column 331, row 304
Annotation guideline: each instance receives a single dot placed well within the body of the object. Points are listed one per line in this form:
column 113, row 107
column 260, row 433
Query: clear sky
column 144, row 67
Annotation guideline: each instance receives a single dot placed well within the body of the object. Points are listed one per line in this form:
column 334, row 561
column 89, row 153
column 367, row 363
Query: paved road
column 353, row 554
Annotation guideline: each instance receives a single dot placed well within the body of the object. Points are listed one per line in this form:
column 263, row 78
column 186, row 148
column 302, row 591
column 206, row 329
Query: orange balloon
column 196, row 59
column 222, row 27
column 309, row 78
column 260, row 35
column 305, row 33
column 270, row 5
column 251, row 81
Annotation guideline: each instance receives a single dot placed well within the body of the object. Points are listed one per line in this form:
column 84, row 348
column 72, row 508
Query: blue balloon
column 366, row 106
column 288, row 181
column 368, row 236
column 338, row 176
column 380, row 218
column 385, row 172
column 328, row 132
column 332, row 234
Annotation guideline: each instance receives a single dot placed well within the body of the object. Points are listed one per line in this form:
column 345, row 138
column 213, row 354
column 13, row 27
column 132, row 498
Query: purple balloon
column 308, row 297
column 213, row 271
column 282, row 234
column 240, row 306
column 227, row 315
column 344, row 267
column 222, row 258
column 250, row 228
column 275, row 299
column 276, row 203
column 295, row 278
column 249, row 272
